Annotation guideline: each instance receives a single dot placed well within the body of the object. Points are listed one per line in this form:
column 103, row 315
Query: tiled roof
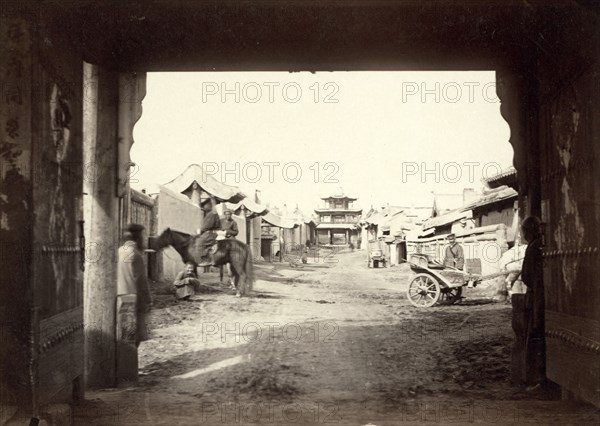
column 504, row 175
column 490, row 197
column 493, row 196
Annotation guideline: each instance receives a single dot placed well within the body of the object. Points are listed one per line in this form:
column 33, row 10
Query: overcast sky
column 384, row 137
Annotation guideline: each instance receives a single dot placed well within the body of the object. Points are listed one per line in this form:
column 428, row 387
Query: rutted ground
column 334, row 342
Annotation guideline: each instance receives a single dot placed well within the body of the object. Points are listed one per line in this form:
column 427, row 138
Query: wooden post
column 280, row 246
column 127, row 357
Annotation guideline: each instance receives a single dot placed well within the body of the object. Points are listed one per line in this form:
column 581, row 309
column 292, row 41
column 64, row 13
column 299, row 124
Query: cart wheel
column 450, row 295
column 423, row 291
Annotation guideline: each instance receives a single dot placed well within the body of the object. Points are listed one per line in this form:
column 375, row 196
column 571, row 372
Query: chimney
column 257, row 196
column 468, row 195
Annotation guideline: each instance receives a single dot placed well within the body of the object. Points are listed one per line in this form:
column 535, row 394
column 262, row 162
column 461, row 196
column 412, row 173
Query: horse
column 225, row 250
column 221, row 273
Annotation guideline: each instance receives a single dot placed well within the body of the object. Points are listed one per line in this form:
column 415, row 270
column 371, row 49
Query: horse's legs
column 241, row 280
column 236, row 281
column 241, row 285
column 221, row 273
column 231, row 275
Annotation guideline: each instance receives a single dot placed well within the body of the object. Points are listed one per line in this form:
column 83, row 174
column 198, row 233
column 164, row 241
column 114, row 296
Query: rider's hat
column 134, row 228
column 205, row 200
column 451, row 236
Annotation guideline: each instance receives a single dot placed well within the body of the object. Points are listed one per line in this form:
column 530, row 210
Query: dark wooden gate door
column 58, row 227
column 571, row 211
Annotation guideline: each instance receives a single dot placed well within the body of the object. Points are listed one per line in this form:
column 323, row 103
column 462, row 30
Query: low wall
column 142, row 211
column 482, row 246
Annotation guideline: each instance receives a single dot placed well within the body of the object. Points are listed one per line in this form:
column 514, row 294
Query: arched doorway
column 534, row 90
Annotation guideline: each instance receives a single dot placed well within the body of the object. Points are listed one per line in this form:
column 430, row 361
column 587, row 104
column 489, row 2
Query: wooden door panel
column 57, row 172
column 570, row 196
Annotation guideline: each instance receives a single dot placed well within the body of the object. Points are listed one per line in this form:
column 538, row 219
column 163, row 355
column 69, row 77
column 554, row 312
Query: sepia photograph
column 299, row 212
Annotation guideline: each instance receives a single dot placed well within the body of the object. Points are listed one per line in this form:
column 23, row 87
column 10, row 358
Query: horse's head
column 163, row 240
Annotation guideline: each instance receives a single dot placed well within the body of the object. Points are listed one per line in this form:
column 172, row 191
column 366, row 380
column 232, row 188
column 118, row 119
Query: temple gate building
column 338, row 220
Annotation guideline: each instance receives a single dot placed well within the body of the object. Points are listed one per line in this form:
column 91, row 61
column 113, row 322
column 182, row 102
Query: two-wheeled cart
column 437, row 283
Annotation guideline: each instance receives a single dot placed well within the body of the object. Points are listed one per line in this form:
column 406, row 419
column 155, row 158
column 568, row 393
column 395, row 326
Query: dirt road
column 333, row 342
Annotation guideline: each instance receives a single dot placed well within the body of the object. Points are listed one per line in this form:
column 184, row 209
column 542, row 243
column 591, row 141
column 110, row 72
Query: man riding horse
column 211, row 223
column 231, row 230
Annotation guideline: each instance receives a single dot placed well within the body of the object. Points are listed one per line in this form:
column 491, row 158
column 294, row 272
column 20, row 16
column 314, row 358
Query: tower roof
column 339, row 194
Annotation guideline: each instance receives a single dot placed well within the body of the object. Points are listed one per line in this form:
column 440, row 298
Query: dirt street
column 333, row 342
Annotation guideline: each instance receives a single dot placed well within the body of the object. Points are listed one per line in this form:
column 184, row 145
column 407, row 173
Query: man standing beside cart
column 454, row 256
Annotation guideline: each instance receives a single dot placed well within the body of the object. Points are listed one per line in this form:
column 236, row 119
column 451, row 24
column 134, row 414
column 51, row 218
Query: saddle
column 220, row 236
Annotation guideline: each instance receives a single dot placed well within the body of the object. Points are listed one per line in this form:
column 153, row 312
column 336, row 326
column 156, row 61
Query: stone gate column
column 101, row 92
column 112, row 106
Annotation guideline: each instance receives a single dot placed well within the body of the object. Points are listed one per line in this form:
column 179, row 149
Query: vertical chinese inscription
column 15, row 130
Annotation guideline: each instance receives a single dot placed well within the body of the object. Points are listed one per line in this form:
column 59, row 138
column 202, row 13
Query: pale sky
column 386, row 137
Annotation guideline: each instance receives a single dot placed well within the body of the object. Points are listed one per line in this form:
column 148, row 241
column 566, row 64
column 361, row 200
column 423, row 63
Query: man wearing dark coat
column 208, row 236
column 228, row 225
column 231, row 230
column 532, row 276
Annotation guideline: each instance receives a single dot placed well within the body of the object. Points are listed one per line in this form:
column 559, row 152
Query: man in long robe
column 532, row 275
column 131, row 277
